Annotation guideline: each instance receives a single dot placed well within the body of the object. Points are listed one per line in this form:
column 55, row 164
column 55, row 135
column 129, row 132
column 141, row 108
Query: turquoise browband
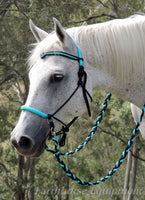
column 60, row 53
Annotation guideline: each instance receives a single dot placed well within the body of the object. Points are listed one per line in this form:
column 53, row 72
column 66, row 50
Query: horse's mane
column 119, row 43
column 116, row 46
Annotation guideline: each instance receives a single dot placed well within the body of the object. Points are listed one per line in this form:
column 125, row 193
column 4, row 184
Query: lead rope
column 88, row 138
column 57, row 153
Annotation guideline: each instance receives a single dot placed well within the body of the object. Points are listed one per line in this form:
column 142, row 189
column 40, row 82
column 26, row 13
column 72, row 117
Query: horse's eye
column 56, row 77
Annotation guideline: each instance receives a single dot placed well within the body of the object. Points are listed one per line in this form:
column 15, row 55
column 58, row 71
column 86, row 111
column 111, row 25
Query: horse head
column 52, row 81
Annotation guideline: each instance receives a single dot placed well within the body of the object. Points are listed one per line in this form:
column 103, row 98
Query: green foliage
column 105, row 149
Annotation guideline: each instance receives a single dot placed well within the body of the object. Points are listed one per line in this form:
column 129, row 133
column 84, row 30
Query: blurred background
column 42, row 178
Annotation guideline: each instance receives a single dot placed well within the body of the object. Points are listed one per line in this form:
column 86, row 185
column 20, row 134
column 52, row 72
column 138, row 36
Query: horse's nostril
column 25, row 143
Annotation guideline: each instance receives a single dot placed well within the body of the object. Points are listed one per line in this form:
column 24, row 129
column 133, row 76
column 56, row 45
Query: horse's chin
column 35, row 155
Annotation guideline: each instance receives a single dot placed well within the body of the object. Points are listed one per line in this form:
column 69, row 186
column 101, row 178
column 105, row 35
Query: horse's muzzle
column 27, row 146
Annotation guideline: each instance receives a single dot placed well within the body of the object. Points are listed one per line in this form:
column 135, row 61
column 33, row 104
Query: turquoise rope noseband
column 82, row 82
column 36, row 112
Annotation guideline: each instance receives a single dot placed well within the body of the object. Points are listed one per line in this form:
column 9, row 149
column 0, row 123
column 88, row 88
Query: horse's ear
column 61, row 33
column 38, row 33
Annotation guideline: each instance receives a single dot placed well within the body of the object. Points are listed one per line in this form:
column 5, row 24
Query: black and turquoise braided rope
column 118, row 163
column 99, row 118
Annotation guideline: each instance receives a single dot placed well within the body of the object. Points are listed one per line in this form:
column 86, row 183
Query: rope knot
column 63, row 139
column 81, row 72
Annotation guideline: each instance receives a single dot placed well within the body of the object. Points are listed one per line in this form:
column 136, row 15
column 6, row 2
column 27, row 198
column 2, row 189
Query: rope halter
column 82, row 80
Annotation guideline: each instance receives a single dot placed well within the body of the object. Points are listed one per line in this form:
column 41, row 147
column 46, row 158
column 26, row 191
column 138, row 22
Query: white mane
column 117, row 45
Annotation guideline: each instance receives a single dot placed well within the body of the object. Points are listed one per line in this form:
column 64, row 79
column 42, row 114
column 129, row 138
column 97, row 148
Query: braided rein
column 57, row 153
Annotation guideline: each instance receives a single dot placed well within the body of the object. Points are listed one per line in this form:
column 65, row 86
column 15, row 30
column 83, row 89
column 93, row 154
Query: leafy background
column 41, row 178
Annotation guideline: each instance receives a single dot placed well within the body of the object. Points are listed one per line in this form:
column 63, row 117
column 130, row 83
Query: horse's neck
column 116, row 59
